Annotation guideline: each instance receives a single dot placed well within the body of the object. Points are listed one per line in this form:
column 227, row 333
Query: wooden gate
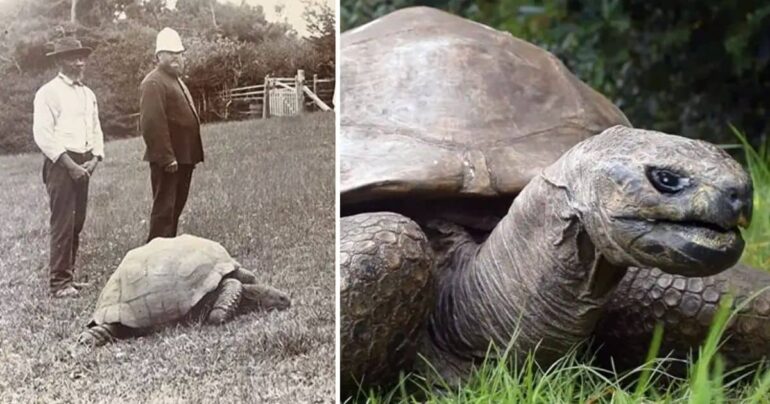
column 279, row 96
column 283, row 102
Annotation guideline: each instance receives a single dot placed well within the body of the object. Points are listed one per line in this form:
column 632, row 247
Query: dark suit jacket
column 170, row 126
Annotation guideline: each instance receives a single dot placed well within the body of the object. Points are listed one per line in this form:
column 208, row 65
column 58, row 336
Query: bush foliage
column 227, row 46
column 686, row 68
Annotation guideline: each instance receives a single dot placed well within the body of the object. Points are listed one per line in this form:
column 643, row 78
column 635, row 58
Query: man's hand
column 171, row 168
column 77, row 172
column 90, row 165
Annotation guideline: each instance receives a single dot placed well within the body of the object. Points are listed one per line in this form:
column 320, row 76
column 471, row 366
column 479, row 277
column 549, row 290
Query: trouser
column 68, row 200
column 169, row 195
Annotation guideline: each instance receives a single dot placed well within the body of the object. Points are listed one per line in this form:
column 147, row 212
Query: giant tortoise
column 487, row 192
column 168, row 280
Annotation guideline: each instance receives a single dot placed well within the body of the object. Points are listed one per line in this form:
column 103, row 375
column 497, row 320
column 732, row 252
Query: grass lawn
column 265, row 191
column 574, row 380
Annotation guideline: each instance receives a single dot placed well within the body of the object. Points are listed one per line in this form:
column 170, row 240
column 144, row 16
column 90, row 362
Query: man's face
column 73, row 66
column 172, row 62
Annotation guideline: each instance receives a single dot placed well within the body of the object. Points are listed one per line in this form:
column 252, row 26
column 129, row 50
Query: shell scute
column 440, row 106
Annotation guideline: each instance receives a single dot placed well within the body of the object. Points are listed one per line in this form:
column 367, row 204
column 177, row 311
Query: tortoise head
column 656, row 200
column 263, row 297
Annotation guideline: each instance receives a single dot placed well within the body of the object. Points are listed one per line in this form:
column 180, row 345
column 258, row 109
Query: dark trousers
column 68, row 200
column 169, row 195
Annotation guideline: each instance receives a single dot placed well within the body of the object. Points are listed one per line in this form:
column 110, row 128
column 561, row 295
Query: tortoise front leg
column 227, row 297
column 93, row 337
column 686, row 307
column 386, row 291
column 99, row 335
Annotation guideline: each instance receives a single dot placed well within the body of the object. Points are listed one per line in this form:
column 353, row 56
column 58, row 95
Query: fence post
column 205, row 98
column 266, row 98
column 300, row 82
column 315, row 84
column 223, row 95
column 336, row 96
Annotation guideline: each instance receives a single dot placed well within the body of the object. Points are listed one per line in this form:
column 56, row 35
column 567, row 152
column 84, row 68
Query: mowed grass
column 573, row 379
column 265, row 191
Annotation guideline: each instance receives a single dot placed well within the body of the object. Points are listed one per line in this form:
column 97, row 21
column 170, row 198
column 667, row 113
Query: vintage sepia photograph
column 168, row 201
column 554, row 201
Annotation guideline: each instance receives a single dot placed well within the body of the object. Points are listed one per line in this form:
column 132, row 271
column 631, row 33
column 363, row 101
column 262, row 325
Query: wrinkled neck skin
column 538, row 278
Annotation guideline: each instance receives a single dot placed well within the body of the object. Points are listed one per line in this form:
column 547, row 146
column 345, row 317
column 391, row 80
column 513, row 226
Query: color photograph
column 554, row 201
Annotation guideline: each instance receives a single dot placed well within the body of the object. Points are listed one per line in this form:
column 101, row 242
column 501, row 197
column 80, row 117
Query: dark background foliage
column 690, row 68
column 228, row 45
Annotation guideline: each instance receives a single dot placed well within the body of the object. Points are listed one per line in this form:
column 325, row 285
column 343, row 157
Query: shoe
column 69, row 291
column 81, row 285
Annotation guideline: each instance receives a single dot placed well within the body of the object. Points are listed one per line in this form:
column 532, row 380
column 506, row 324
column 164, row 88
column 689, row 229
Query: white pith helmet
column 168, row 40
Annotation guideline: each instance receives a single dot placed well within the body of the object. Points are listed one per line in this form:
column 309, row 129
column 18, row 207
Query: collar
column 69, row 81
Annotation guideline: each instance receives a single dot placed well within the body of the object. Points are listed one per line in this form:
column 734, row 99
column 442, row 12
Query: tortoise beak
column 731, row 208
column 744, row 221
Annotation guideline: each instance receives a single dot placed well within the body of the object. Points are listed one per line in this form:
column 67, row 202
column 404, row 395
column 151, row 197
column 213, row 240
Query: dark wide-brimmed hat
column 68, row 47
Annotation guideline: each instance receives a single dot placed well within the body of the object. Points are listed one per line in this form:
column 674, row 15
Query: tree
column 321, row 24
column 689, row 69
column 74, row 12
column 228, row 45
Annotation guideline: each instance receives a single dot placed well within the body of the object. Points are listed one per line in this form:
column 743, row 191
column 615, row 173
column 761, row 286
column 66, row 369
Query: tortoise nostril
column 739, row 202
column 737, row 198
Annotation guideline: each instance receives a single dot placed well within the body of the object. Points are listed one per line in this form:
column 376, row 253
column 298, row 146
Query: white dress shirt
column 66, row 118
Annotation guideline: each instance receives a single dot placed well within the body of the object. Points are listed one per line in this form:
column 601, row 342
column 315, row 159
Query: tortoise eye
column 667, row 181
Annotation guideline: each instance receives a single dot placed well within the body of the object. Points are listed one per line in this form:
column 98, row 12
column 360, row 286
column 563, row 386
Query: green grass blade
column 644, row 378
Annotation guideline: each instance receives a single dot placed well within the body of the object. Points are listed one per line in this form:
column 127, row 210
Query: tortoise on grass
column 168, row 280
column 444, row 122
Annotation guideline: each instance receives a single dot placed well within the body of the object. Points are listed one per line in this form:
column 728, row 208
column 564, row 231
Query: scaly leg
column 386, row 290
column 99, row 335
column 686, row 307
column 227, row 299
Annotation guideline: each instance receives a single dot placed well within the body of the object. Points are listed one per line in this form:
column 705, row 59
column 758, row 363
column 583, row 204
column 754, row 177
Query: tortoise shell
column 437, row 105
column 161, row 281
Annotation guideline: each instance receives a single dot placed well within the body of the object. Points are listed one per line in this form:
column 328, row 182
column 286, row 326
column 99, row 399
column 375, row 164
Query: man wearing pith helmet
column 171, row 130
column 67, row 130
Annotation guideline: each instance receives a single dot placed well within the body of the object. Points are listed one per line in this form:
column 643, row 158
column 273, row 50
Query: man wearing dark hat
column 171, row 131
column 67, row 130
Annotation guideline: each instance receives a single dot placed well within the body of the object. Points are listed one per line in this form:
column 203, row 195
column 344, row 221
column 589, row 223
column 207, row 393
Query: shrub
column 680, row 68
column 239, row 51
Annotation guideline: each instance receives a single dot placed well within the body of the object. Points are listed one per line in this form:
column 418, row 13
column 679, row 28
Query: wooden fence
column 285, row 96
column 279, row 96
